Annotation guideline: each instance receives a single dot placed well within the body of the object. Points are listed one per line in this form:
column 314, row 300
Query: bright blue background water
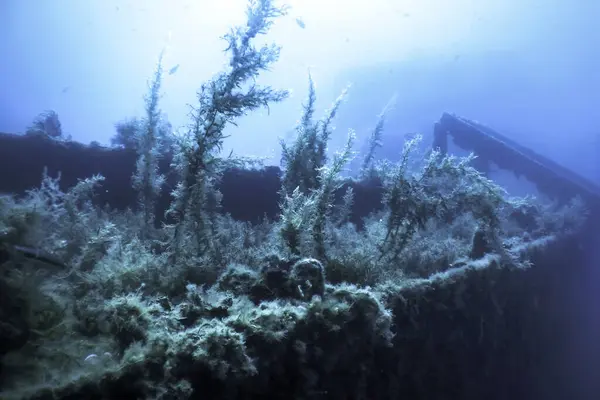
column 530, row 69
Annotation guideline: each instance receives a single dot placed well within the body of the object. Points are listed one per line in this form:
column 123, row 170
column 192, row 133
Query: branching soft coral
column 328, row 184
column 227, row 96
column 303, row 159
column 146, row 179
column 46, row 124
column 445, row 188
column 308, row 183
column 64, row 222
column 375, row 139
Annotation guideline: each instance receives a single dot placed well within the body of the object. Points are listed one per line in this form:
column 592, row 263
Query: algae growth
column 421, row 299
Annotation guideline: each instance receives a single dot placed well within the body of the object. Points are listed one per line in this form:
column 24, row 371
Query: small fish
column 300, row 23
column 174, row 69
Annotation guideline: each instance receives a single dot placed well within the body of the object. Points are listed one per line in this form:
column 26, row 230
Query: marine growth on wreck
column 431, row 295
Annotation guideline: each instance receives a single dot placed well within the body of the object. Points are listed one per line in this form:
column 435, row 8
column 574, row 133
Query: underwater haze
column 530, row 69
column 254, row 200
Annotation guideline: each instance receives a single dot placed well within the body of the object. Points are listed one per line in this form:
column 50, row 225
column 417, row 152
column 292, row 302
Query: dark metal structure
column 550, row 178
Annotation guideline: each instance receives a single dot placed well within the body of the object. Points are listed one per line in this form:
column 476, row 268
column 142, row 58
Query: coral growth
column 46, row 124
column 98, row 303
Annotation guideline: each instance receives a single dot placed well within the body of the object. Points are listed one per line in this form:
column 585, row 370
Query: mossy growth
column 100, row 303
